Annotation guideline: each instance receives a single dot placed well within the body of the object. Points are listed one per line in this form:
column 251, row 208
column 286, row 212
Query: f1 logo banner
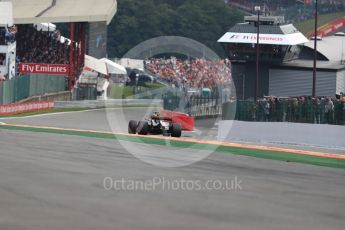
column 27, row 68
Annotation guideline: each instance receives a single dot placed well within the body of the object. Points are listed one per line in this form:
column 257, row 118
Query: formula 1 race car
column 156, row 124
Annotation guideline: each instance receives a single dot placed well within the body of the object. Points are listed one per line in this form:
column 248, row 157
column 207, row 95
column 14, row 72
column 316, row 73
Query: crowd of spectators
column 293, row 10
column 35, row 46
column 321, row 110
column 318, row 110
column 191, row 73
column 303, row 12
column 248, row 5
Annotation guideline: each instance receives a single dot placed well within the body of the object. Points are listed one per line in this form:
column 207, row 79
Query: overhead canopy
column 268, row 39
column 114, row 68
column 6, row 15
column 38, row 11
column 95, row 64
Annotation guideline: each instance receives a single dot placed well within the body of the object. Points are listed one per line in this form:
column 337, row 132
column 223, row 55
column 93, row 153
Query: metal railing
column 197, row 106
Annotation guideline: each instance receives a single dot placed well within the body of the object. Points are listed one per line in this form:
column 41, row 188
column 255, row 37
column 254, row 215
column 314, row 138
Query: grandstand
column 37, row 46
column 27, row 34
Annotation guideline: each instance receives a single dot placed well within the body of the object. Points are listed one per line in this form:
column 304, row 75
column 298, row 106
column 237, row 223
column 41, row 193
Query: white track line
column 61, row 113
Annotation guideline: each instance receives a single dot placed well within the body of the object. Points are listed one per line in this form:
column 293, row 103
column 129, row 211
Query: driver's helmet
column 155, row 115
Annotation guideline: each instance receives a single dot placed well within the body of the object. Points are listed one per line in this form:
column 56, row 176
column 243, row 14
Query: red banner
column 12, row 109
column 330, row 28
column 27, row 68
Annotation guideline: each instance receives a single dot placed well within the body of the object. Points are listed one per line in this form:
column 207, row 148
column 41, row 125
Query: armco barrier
column 187, row 122
column 60, row 96
column 13, row 109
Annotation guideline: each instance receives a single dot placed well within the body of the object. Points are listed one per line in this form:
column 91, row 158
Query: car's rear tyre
column 143, row 128
column 176, row 130
column 132, row 127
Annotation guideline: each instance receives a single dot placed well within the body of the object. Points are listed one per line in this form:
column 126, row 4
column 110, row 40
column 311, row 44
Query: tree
column 202, row 20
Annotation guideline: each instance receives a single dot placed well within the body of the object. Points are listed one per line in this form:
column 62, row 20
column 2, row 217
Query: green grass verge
column 272, row 155
column 121, row 92
column 307, row 27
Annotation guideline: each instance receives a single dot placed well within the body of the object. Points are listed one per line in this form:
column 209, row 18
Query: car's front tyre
column 132, row 127
column 143, row 128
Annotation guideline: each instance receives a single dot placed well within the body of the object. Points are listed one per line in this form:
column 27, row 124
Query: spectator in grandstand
column 195, row 73
column 10, row 34
column 8, row 37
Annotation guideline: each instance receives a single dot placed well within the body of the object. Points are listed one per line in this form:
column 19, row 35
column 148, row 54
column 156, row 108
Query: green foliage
column 202, row 20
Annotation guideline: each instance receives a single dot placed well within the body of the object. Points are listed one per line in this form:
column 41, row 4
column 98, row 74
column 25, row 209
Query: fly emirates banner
column 34, row 68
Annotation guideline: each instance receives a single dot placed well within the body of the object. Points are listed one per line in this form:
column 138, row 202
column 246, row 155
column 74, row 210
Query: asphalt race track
column 54, row 181
column 116, row 120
